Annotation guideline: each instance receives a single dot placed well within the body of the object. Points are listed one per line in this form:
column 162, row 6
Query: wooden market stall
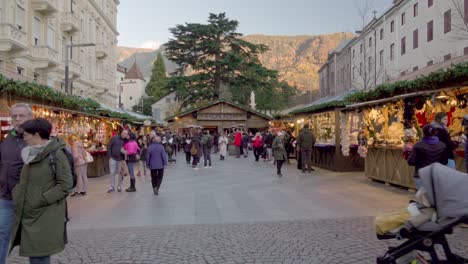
column 381, row 127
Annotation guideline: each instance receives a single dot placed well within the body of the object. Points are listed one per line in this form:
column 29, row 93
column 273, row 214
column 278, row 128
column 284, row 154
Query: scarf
column 29, row 153
column 431, row 140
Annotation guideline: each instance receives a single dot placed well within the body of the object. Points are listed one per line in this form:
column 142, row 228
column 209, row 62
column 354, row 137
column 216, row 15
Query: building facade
column 412, row 38
column 34, row 34
column 165, row 107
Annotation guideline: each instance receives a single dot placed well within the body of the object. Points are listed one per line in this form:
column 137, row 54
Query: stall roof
column 325, row 102
column 123, row 111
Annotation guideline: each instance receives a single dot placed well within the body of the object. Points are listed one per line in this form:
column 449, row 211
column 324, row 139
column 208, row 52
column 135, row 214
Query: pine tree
column 157, row 86
column 217, row 56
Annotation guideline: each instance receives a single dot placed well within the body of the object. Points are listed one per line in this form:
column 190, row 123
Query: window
column 381, row 34
column 360, row 69
column 403, row 46
column 370, row 42
column 392, row 26
column 415, row 68
column 20, row 17
column 72, row 6
column 381, row 57
column 360, row 48
column 415, row 10
column 168, row 100
column 403, row 19
column 429, row 63
column 430, row 31
column 465, row 51
column 392, row 51
column 369, row 64
column 415, row 39
column 36, row 31
column 50, row 37
column 447, row 57
column 466, row 12
column 354, row 53
column 430, row 3
column 20, row 70
column 36, row 77
column 448, row 21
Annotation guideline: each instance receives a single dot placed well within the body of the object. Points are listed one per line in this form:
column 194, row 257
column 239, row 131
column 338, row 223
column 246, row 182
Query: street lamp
column 67, row 62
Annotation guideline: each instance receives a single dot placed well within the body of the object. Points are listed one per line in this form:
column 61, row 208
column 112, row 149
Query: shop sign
column 221, row 116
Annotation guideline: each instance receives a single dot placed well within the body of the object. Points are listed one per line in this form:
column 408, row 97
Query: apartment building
column 34, row 34
column 412, row 38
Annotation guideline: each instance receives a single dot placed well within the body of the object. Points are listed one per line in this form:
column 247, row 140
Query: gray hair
column 157, row 139
column 23, row 105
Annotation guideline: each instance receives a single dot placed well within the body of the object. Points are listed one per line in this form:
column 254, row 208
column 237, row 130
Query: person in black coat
column 427, row 151
column 440, row 123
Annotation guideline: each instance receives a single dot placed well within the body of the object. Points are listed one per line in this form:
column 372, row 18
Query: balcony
column 12, row 40
column 47, row 8
column 101, row 51
column 44, row 57
column 69, row 23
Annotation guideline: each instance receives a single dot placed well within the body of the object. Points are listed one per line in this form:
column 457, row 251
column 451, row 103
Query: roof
column 218, row 102
column 135, row 73
column 323, row 103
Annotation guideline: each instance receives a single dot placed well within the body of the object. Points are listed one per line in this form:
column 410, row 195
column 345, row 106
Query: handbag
column 193, row 150
column 89, row 158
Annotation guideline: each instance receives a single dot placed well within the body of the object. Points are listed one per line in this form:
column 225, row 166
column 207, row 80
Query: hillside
column 125, row 52
column 296, row 58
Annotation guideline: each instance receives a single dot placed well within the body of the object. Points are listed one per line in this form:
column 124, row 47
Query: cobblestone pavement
column 236, row 212
column 319, row 241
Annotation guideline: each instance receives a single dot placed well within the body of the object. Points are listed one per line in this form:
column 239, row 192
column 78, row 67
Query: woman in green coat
column 40, row 197
column 279, row 151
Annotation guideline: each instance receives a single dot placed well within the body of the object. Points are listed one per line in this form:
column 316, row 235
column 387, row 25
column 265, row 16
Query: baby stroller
column 440, row 205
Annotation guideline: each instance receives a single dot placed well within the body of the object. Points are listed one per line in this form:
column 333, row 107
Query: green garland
column 319, row 107
column 51, row 97
column 456, row 74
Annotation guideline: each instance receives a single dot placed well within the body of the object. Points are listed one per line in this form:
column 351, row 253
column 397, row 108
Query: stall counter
column 100, row 166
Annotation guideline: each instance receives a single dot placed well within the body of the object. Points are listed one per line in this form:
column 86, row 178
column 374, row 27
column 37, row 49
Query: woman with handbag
column 81, row 160
column 132, row 150
column 143, row 144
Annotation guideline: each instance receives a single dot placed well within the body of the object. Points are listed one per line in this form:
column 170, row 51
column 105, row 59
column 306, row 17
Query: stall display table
column 327, row 157
column 100, row 166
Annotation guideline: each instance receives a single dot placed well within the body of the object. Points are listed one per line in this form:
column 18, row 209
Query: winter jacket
column 132, row 147
column 306, row 139
column 268, row 140
column 207, row 142
column 40, row 203
column 426, row 152
column 156, row 158
column 238, row 140
column 197, row 142
column 187, row 145
column 245, row 141
column 79, row 153
column 11, row 163
column 257, row 142
column 444, row 136
column 114, row 147
column 279, row 150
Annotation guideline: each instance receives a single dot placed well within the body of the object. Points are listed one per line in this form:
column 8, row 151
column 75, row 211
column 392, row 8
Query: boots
column 132, row 186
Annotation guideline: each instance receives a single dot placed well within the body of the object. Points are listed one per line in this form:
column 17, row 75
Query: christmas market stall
column 382, row 121
column 324, row 120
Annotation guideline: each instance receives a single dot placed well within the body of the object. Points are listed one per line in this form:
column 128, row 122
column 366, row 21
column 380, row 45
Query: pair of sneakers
column 112, row 189
column 208, row 167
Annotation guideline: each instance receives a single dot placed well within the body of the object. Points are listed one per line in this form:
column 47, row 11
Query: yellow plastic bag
column 386, row 223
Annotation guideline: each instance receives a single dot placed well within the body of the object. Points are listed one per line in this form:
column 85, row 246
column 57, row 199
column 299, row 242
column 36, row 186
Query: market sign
column 221, row 116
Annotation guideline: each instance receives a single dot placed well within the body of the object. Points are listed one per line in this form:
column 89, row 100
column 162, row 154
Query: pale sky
column 146, row 23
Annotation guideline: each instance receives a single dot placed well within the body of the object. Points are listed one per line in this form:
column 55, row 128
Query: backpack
column 68, row 154
column 209, row 142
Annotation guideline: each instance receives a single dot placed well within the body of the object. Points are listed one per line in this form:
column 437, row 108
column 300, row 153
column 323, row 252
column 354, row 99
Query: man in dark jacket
column 115, row 155
column 196, row 145
column 306, row 142
column 11, row 164
column 268, row 141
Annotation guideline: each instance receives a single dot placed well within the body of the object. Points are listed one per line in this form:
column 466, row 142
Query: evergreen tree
column 213, row 55
column 157, row 86
column 146, row 105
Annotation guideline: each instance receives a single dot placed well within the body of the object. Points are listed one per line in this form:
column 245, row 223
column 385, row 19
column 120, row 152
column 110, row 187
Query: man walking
column 11, row 164
column 306, row 142
column 156, row 161
column 196, row 150
column 115, row 155
column 207, row 143
column 268, row 141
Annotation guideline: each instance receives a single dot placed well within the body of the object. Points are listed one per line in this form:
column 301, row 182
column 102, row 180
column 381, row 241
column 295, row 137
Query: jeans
column 246, row 151
column 7, row 217
column 207, row 156
column 418, row 183
column 39, row 260
column 188, row 157
column 82, row 178
column 279, row 164
column 269, row 153
column 451, row 164
column 306, row 158
column 238, row 151
column 131, row 169
column 114, row 169
column 157, row 177
column 142, row 170
column 195, row 161
column 257, row 153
